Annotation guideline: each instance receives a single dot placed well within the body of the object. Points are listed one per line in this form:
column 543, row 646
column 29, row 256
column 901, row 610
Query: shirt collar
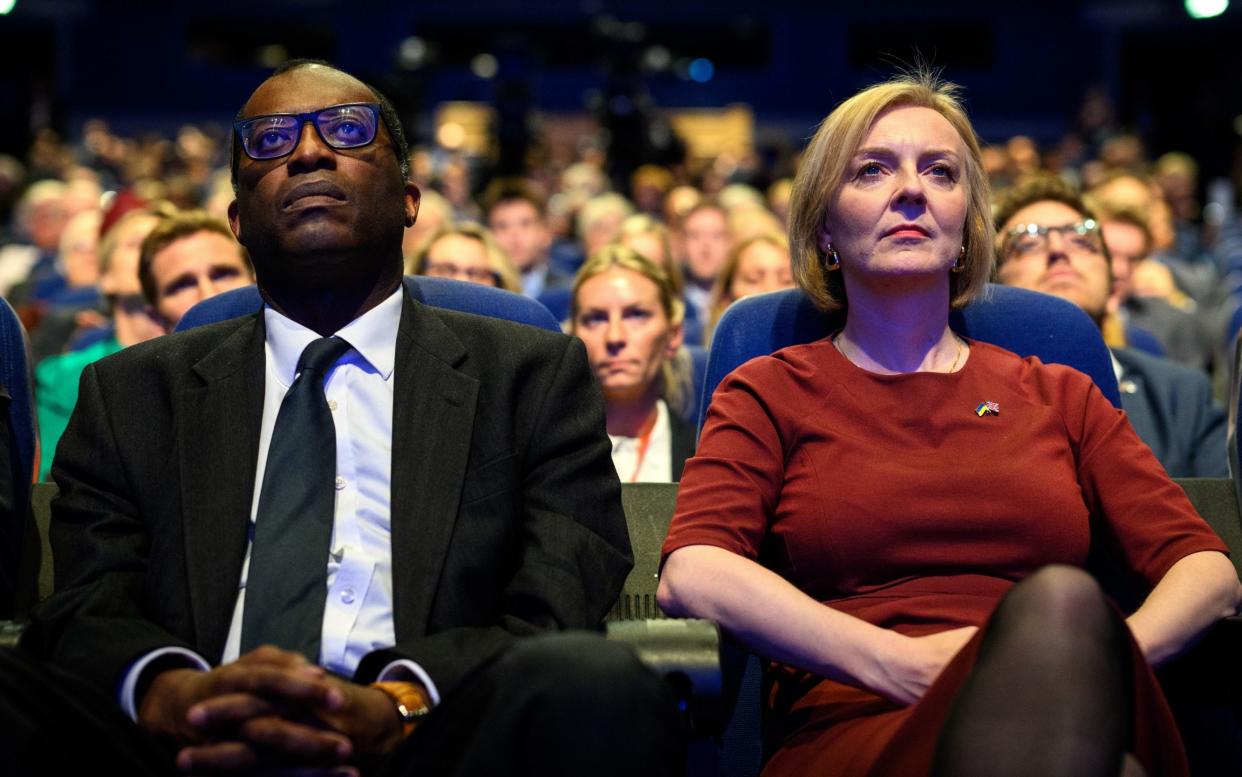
column 373, row 336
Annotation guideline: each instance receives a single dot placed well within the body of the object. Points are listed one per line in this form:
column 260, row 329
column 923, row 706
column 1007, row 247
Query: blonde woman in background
column 625, row 311
column 465, row 252
column 757, row 264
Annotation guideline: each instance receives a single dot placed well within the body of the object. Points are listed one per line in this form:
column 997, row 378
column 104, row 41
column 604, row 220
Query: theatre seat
column 17, row 436
column 1026, row 322
column 439, row 292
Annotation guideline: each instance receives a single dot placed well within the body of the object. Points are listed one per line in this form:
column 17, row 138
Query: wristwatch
column 409, row 699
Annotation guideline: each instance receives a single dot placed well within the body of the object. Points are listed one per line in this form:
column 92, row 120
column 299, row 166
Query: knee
column 1062, row 597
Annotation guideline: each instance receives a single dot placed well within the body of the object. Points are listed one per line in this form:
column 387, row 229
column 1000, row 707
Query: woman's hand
column 916, row 662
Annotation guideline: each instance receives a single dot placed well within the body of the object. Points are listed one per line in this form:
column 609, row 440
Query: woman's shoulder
column 1043, row 382
column 798, row 363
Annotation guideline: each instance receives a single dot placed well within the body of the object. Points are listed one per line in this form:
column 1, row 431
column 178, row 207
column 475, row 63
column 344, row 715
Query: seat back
column 438, row 292
column 17, row 404
column 1025, row 322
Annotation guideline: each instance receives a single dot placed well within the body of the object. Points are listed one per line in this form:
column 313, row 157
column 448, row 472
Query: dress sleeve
column 731, row 485
column 1143, row 514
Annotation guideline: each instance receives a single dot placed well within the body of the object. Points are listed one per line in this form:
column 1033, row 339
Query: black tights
column 1051, row 691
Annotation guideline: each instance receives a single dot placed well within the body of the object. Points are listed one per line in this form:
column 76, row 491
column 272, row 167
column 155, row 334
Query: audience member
column 188, row 257
column 465, row 252
column 625, row 310
column 651, row 239
column 1049, row 241
column 434, row 212
column 515, row 214
column 600, row 219
column 201, row 590
column 78, row 305
column 755, row 265
column 704, row 236
column 12, row 519
column 129, row 322
column 40, row 218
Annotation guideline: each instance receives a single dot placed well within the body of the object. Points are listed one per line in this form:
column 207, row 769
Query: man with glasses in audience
column 1049, row 241
column 344, row 532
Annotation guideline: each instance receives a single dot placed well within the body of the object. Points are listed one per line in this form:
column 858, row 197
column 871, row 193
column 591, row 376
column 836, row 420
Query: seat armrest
column 686, row 653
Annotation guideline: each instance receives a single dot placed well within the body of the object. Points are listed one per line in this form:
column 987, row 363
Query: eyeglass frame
column 1087, row 226
column 473, row 273
column 377, row 111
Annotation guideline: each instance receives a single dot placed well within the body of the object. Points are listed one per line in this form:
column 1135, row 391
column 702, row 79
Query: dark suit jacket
column 1171, row 408
column 506, row 512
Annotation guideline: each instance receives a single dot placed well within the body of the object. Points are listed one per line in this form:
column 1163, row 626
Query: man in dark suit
column 1049, row 241
column 474, row 506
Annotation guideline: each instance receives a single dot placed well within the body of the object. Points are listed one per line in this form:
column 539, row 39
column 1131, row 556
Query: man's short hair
column 169, row 230
column 707, row 203
column 1123, row 213
column 389, row 112
column 1043, row 187
column 502, row 191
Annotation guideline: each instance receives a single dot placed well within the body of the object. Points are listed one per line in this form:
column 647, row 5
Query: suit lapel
column 433, row 417
column 219, row 433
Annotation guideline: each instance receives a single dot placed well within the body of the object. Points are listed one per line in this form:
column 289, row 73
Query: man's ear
column 413, row 198
column 235, row 222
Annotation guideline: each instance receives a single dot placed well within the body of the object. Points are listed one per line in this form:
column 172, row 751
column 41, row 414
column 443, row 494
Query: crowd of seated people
column 114, row 240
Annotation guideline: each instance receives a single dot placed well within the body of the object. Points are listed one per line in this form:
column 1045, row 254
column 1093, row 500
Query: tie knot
column 322, row 354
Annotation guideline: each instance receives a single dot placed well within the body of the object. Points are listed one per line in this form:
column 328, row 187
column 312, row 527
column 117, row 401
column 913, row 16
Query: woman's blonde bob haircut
column 676, row 373
column 826, row 165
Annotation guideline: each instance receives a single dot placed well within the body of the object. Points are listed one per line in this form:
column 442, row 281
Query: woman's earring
column 832, row 261
column 960, row 264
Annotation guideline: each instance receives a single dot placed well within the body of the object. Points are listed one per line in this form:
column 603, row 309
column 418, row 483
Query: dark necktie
column 288, row 579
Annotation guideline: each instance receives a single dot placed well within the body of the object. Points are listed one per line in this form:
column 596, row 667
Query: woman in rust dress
column 897, row 517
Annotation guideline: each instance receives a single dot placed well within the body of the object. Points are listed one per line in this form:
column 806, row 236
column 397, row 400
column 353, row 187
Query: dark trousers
column 560, row 704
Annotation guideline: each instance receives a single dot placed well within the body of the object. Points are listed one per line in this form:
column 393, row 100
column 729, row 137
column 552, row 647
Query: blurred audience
column 756, row 264
column 515, row 213
column 465, row 252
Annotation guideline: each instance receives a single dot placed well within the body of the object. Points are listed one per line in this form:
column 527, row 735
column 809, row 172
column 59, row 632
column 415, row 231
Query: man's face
column 520, row 231
column 1128, row 246
column 1061, row 263
column 307, row 216
column 705, row 240
column 194, row 268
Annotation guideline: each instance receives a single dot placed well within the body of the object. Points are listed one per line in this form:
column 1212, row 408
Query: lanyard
column 643, row 441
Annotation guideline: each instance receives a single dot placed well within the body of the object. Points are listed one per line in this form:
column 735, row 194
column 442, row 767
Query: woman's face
column 626, row 332
column 460, row 258
column 761, row 267
column 901, row 212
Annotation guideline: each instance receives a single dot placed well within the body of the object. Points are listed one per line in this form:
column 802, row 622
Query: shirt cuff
column 129, row 685
column 403, row 669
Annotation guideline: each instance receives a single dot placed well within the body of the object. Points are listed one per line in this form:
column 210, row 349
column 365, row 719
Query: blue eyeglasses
column 340, row 126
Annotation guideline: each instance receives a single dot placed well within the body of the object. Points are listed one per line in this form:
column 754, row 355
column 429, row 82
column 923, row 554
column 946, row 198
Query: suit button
column 340, row 483
column 347, row 596
column 332, row 405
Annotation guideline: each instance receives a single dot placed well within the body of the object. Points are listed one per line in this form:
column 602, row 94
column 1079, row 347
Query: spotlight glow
column 6, row 6
column 1205, row 9
column 702, row 70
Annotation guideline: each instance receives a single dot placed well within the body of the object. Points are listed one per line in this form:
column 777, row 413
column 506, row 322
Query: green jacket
column 56, row 392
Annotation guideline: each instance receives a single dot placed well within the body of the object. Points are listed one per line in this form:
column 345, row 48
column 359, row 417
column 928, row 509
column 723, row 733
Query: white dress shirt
column 358, row 614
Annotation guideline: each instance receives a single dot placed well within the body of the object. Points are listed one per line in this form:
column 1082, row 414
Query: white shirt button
column 332, row 405
column 340, row 483
column 347, row 596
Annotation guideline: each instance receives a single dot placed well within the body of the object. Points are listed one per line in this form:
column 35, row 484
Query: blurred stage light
column 484, row 66
column 702, row 70
column 412, row 53
column 451, row 135
column 1205, row 9
column 6, row 6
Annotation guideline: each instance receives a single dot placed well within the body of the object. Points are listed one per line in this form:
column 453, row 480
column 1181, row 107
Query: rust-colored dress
column 892, row 498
